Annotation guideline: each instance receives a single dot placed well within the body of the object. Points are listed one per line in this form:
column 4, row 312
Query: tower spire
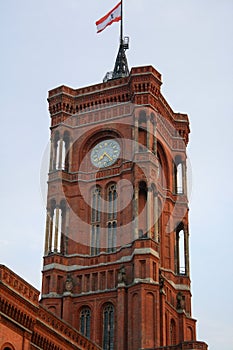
column 121, row 69
column 121, row 65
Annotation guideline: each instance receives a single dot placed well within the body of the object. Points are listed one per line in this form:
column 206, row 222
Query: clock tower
column 116, row 257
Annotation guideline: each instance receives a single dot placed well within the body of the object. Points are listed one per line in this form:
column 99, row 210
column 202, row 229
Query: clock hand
column 102, row 156
column 107, row 155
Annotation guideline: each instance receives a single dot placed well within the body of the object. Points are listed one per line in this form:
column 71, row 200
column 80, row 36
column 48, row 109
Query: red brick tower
column 116, row 260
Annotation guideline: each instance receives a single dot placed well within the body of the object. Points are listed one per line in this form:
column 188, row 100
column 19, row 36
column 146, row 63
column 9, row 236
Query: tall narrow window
column 142, row 132
column 95, row 239
column 142, row 139
column 108, row 327
column 56, row 228
column 112, row 227
column 180, row 251
column 95, row 220
column 142, row 206
column 179, row 179
column 54, row 151
column 66, row 152
column 60, row 155
column 178, row 175
column 112, row 218
column 85, row 322
column 95, row 208
column 112, row 202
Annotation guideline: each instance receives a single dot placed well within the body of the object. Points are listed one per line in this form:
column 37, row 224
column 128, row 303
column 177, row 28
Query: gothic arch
column 190, row 335
column 181, row 249
column 60, row 150
column 173, row 335
column 7, row 346
column 108, row 319
column 95, row 218
column 55, row 241
column 179, row 175
column 85, row 321
column 142, row 208
column 142, row 131
column 91, row 139
column 112, row 203
column 164, row 169
column 150, row 318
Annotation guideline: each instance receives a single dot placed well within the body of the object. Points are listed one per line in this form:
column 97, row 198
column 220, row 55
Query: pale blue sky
column 47, row 43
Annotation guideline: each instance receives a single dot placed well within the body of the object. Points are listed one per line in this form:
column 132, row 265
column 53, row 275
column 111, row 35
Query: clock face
column 105, row 153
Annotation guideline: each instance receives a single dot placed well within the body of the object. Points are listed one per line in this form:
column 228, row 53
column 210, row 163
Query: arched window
column 55, row 228
column 180, row 251
column 190, row 333
column 173, row 332
column 53, row 309
column 163, row 167
column 60, row 145
column 142, row 132
column 95, row 239
column 95, row 220
column 142, row 207
column 60, row 155
column 96, row 205
column 85, row 322
column 179, row 179
column 112, row 202
column 112, row 227
column 8, row 346
column 112, row 218
column 178, row 176
column 108, row 327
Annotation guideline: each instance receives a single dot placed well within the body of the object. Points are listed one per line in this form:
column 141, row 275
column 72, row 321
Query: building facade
column 27, row 325
column 116, row 259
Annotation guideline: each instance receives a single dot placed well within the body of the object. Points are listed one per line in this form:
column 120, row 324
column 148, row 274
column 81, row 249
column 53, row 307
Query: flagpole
column 121, row 32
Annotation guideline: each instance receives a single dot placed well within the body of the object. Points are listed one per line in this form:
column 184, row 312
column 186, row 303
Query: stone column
column 148, row 134
column 51, row 163
column 184, row 177
column 69, row 151
column 154, row 138
column 66, row 233
column 46, row 247
column 186, row 247
column 121, row 317
column 55, row 150
column 162, row 312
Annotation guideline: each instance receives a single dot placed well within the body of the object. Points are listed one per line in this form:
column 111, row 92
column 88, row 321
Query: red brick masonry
column 26, row 325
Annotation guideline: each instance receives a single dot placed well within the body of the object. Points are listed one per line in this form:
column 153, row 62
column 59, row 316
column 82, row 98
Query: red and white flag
column 112, row 16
